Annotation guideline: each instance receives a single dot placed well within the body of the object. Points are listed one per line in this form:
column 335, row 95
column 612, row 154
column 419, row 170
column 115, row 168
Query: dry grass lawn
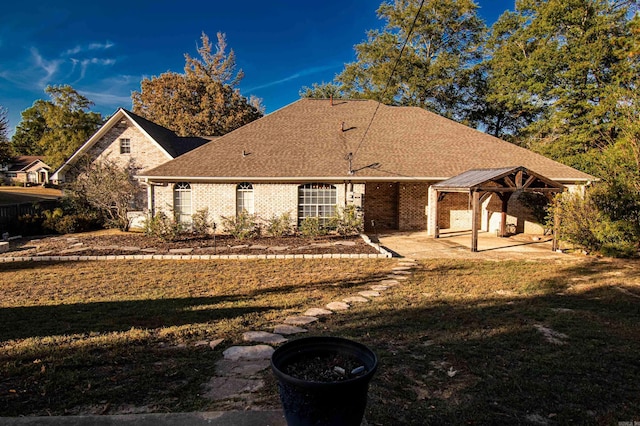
column 18, row 194
column 462, row 342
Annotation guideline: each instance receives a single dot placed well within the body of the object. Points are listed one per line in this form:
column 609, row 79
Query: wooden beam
column 529, row 181
column 475, row 207
column 509, row 182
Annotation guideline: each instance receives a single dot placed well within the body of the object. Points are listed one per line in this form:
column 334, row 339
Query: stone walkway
column 238, row 373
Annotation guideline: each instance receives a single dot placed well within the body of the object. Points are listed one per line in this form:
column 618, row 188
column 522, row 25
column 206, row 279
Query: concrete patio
column 456, row 244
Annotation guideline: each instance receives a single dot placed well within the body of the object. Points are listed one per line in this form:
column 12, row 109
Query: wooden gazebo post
column 475, row 221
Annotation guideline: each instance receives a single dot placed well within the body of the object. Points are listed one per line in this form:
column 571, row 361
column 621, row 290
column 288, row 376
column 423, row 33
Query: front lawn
column 18, row 194
column 462, row 342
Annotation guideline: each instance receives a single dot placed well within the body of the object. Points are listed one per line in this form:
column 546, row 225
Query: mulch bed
column 136, row 243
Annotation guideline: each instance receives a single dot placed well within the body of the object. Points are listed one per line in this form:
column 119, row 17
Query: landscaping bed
column 109, row 243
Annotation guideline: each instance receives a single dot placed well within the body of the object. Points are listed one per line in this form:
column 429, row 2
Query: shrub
column 310, row 227
column 592, row 224
column 163, row 227
column 201, row 224
column 241, row 226
column 347, row 221
column 281, row 225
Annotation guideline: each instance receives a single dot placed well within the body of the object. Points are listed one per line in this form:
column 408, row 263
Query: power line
column 393, row 70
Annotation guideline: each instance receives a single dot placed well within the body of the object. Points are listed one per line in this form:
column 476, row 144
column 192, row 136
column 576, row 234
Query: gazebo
column 504, row 182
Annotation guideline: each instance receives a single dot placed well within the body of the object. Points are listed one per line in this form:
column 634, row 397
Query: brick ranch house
column 313, row 156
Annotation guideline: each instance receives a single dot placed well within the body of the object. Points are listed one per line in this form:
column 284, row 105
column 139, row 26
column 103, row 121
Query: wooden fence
column 9, row 214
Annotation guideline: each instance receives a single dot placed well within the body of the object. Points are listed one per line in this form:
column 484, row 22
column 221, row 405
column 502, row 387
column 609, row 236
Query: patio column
column 432, row 213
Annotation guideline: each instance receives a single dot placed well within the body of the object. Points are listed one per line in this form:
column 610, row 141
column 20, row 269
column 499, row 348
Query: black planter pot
column 323, row 403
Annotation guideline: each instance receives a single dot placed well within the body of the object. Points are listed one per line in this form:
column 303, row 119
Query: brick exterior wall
column 270, row 199
column 412, row 206
column 145, row 154
column 381, row 206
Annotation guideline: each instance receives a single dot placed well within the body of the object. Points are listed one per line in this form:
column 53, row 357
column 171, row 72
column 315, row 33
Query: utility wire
column 393, row 70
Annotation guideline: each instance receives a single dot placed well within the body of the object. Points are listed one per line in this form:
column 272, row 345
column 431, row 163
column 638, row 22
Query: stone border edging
column 382, row 254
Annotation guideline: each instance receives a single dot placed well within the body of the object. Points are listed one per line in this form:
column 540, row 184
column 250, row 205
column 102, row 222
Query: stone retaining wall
column 382, row 254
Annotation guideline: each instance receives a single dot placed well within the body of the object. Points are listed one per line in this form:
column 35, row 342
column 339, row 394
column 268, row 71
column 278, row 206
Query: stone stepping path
column 316, row 312
column 379, row 287
column 263, row 337
column 248, row 353
column 401, row 268
column 397, row 277
column 238, row 372
column 338, row 306
column 300, row 320
column 288, row 329
column 355, row 299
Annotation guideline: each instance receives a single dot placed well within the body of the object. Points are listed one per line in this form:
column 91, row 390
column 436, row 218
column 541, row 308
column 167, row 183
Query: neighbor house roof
column 25, row 162
column 166, row 140
column 313, row 139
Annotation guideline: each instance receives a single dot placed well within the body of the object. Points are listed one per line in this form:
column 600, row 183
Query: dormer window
column 125, row 146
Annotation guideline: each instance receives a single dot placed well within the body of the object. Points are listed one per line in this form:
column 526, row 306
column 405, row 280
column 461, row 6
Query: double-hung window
column 125, row 146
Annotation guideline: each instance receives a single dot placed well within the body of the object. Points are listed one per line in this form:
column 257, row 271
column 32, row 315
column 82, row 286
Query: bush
column 591, row 223
column 281, row 225
column 241, row 226
column 163, row 227
column 201, row 224
column 310, row 227
column 347, row 221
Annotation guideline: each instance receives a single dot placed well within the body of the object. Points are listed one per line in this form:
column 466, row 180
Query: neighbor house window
column 317, row 200
column 125, row 146
column 244, row 198
column 182, row 202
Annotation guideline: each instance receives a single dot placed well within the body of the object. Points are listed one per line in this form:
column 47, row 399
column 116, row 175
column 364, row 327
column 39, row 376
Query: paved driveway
column 457, row 245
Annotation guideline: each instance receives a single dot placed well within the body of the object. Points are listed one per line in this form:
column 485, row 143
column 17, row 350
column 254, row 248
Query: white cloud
column 101, row 46
column 109, row 99
column 303, row 73
column 90, row 47
column 50, row 67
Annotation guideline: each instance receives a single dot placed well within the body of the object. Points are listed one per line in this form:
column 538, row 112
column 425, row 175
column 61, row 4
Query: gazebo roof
column 506, row 179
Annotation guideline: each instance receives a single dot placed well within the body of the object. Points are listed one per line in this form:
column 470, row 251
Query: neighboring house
column 129, row 140
column 314, row 156
column 26, row 169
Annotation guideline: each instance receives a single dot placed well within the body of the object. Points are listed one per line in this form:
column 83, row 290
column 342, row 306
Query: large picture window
column 182, row 202
column 317, row 200
column 244, row 198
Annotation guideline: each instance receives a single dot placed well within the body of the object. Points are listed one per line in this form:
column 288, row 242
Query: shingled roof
column 311, row 139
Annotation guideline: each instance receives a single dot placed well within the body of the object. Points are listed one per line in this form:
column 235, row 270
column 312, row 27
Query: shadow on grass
column 100, row 317
column 487, row 362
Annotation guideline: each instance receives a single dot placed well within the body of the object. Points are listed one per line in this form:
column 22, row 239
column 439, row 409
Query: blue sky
column 104, row 49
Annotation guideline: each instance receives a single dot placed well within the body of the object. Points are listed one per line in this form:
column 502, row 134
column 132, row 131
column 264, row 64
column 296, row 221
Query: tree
column 550, row 67
column 435, row 68
column 202, row 101
column 322, row 91
column 107, row 187
column 5, row 149
column 56, row 128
